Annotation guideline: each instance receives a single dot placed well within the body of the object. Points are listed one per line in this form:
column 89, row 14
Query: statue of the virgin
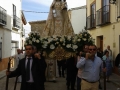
column 58, row 22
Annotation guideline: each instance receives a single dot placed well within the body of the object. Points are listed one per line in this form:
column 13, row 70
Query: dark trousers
column 78, row 83
column 30, row 86
column 71, row 81
column 100, row 87
column 43, row 86
column 59, row 69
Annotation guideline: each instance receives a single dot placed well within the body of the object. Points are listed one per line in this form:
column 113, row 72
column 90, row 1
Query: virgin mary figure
column 58, row 22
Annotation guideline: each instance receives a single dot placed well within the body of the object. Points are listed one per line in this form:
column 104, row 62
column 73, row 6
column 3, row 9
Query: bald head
column 18, row 51
column 108, row 47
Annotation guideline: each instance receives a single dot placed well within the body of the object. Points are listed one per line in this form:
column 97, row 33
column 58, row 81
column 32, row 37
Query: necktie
column 28, row 70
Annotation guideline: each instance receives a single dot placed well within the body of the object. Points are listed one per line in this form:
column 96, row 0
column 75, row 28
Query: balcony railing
column 103, row 15
column 16, row 22
column 3, row 16
column 91, row 21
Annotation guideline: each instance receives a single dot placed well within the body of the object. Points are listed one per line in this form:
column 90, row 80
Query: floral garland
column 69, row 43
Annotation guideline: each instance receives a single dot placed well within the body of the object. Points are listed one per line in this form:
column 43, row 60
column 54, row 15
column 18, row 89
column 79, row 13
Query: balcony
column 16, row 22
column 103, row 16
column 91, row 21
column 3, row 16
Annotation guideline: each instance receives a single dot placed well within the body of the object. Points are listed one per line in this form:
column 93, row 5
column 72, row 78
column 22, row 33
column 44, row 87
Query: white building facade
column 11, row 28
column 78, row 18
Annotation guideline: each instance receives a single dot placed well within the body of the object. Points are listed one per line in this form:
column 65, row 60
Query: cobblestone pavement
column 59, row 85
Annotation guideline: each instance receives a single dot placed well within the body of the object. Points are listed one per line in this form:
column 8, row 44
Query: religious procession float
column 58, row 40
column 58, row 47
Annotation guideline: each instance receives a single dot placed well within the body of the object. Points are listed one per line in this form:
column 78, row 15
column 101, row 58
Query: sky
column 43, row 6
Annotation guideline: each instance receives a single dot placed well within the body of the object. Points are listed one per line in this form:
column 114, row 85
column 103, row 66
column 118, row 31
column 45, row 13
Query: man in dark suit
column 31, row 70
column 71, row 72
column 44, row 64
column 61, row 65
column 117, row 60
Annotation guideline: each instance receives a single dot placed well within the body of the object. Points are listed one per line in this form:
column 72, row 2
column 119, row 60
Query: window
column 105, row 5
column 91, row 20
column 2, row 16
column 0, row 51
column 16, row 20
column 14, row 10
column 103, row 14
column 14, row 15
column 93, row 15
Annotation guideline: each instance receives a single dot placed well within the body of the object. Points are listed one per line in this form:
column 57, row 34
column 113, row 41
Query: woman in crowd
column 107, row 60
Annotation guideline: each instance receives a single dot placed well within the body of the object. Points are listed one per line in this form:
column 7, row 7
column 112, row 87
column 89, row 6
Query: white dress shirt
column 31, row 76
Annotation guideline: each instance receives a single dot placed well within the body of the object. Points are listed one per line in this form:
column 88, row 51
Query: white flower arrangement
column 34, row 39
column 69, row 43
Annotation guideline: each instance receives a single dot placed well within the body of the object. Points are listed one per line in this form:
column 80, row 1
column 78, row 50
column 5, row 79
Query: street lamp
column 112, row 1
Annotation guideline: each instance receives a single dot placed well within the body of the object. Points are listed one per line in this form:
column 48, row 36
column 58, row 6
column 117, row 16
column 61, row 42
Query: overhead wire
column 34, row 11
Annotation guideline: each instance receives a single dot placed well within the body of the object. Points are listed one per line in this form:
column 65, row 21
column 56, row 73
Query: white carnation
column 84, row 39
column 79, row 40
column 44, row 46
column 45, row 42
column 54, row 36
column 61, row 40
column 37, row 41
column 33, row 39
column 52, row 46
column 74, row 41
column 89, row 39
column 63, row 44
column 69, row 38
column 56, row 39
column 80, row 35
column 50, row 39
column 75, row 47
column 57, row 42
column 68, row 45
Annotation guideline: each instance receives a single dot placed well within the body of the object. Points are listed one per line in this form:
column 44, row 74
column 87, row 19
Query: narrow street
column 59, row 85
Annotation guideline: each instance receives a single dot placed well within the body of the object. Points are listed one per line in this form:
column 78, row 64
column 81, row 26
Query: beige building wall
column 110, row 32
column 38, row 26
column 78, row 18
column 9, row 34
